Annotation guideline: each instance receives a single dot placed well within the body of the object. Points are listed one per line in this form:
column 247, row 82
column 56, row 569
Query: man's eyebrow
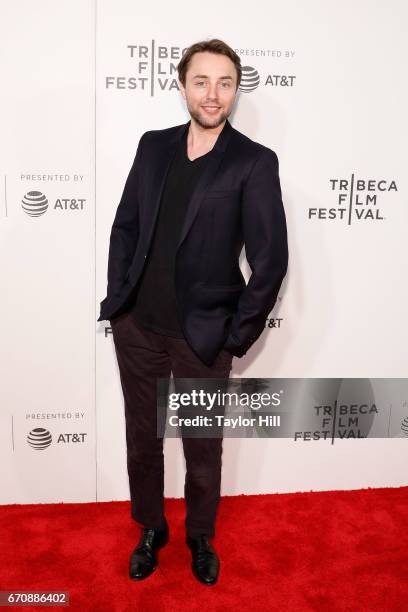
column 205, row 76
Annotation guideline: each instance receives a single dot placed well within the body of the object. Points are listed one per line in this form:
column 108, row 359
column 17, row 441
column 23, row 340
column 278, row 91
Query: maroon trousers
column 143, row 356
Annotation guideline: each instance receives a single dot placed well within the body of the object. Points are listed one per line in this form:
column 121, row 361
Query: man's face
column 210, row 89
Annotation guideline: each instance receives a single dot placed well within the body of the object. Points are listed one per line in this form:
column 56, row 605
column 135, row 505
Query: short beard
column 208, row 123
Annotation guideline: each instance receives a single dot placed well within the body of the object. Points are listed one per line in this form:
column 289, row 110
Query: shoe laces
column 204, row 551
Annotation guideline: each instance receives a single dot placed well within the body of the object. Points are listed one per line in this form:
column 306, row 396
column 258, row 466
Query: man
column 176, row 298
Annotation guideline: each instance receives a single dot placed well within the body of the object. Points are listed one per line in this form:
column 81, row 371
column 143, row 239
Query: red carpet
column 334, row 551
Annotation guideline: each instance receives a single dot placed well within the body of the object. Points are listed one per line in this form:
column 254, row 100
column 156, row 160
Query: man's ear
column 183, row 91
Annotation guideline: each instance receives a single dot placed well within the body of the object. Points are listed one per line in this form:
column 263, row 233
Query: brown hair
column 215, row 45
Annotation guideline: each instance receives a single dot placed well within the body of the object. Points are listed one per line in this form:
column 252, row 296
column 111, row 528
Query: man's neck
column 200, row 140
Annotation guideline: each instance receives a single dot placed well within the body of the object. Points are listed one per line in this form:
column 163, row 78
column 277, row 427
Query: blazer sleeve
column 125, row 229
column 266, row 249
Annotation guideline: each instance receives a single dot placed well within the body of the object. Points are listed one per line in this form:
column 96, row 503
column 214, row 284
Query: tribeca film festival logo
column 355, row 199
column 339, row 420
column 155, row 68
column 40, row 438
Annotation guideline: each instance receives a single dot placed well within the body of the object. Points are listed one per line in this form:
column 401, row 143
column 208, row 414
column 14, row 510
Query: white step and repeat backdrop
column 81, row 81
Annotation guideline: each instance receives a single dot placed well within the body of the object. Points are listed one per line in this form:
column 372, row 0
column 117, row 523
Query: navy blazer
column 237, row 201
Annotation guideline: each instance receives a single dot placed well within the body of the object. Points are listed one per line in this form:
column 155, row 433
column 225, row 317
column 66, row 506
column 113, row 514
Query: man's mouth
column 211, row 109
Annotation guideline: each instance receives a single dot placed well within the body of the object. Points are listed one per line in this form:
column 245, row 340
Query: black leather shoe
column 143, row 560
column 205, row 563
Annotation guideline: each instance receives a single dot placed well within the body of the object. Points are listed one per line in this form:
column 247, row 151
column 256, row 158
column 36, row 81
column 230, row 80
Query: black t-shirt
column 155, row 304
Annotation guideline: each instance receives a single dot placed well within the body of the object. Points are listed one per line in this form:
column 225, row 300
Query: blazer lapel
column 164, row 158
column 206, row 178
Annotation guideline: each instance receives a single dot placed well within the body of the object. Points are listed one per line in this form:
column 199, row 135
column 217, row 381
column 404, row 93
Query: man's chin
column 208, row 122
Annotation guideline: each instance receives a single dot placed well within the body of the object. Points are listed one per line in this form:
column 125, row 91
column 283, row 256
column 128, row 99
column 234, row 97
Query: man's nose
column 212, row 92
